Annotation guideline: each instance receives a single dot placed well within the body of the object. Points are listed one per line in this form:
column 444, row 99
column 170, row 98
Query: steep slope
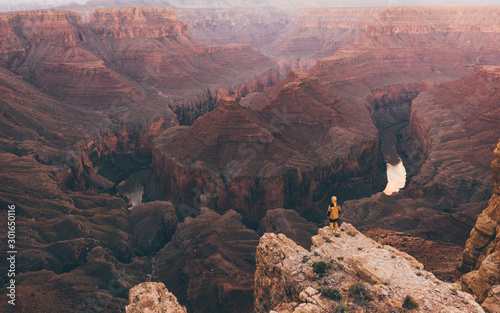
column 123, row 58
column 407, row 45
column 456, row 129
column 347, row 271
column 401, row 54
column 481, row 255
column 49, row 50
column 318, row 33
column 290, row 153
column 151, row 46
column 209, row 263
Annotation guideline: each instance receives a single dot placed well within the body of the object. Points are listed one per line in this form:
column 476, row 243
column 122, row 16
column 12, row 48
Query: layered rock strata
column 481, row 255
column 455, row 127
column 85, row 258
column 366, row 277
column 289, row 223
column 293, row 152
column 122, row 58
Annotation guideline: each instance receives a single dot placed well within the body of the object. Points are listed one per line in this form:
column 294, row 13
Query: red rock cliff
column 136, row 23
column 290, row 153
column 482, row 252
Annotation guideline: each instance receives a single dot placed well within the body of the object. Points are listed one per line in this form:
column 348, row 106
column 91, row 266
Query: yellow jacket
column 333, row 211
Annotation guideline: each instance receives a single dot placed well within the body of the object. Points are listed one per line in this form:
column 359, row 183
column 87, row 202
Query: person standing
column 333, row 214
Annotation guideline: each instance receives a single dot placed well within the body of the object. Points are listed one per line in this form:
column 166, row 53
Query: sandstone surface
column 153, row 297
column 285, row 280
column 481, row 259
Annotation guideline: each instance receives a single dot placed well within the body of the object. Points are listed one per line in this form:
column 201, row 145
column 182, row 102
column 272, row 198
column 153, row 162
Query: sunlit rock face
column 289, row 278
column 481, row 255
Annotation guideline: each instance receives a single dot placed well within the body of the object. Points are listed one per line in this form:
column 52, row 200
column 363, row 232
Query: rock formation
column 104, row 64
column 319, row 32
column 347, row 270
column 481, row 257
column 289, row 223
column 295, row 151
column 210, row 262
column 153, row 297
column 153, row 225
column 454, row 124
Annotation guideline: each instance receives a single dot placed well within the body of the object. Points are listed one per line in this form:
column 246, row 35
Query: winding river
column 396, row 172
column 134, row 186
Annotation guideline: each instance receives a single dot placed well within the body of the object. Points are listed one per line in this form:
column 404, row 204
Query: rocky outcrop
column 290, row 152
column 289, row 223
column 481, row 259
column 210, row 262
column 443, row 264
column 130, row 23
column 153, row 297
column 153, row 224
column 347, row 270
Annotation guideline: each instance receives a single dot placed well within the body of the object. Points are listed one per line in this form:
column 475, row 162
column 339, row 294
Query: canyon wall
column 73, row 98
column 284, row 154
column 209, row 263
column 401, row 52
column 122, row 58
column 255, row 26
column 454, row 124
column 481, row 255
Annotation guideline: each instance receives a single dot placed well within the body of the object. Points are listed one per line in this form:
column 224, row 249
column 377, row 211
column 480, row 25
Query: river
column 134, row 186
column 396, row 172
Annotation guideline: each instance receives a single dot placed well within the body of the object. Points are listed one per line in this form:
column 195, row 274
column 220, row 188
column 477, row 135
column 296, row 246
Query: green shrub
column 358, row 291
column 350, row 233
column 341, row 308
column 409, row 303
column 331, row 293
column 321, row 267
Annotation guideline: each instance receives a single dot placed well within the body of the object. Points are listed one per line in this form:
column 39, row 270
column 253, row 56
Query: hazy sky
column 12, row 5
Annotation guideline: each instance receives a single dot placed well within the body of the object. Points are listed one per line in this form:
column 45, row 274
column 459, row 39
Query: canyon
column 240, row 136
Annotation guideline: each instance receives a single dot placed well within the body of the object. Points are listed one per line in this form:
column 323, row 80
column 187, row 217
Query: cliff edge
column 348, row 271
column 481, row 257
